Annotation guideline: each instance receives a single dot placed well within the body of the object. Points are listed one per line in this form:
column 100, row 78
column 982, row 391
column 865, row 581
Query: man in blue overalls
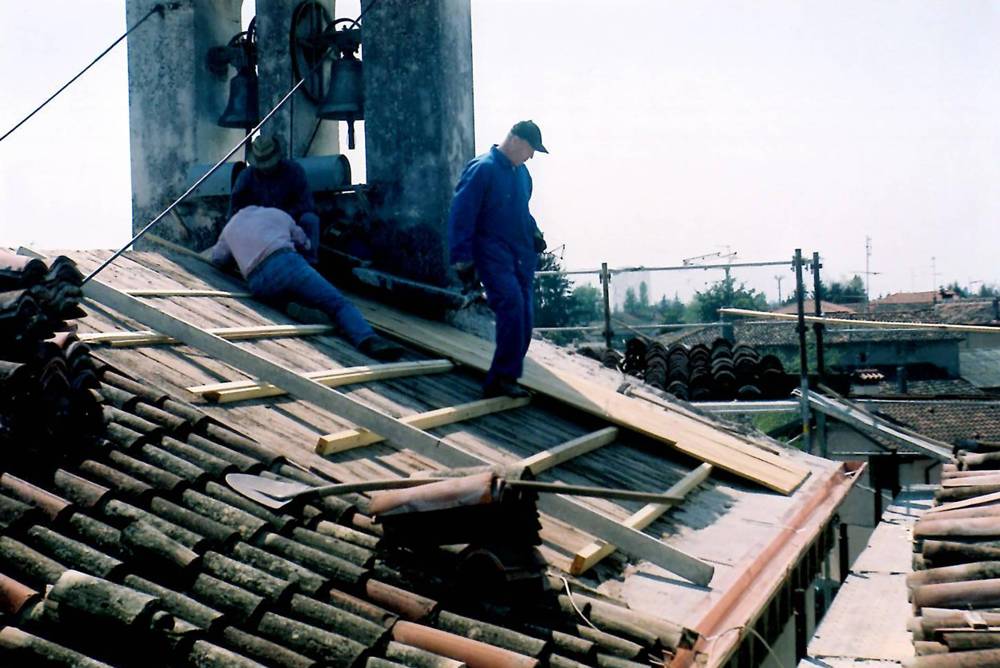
column 492, row 233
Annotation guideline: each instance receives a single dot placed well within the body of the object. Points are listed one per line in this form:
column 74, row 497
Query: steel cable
column 158, row 9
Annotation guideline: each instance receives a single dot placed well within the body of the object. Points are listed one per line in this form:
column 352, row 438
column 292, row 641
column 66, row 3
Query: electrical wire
column 770, row 650
column 158, row 9
column 569, row 595
column 215, row 167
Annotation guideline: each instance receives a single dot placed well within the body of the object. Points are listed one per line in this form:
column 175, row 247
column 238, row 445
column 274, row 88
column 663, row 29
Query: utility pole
column 868, row 272
column 800, row 290
column 779, row 278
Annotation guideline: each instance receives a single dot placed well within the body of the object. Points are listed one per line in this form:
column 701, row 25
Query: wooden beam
column 240, row 390
column 885, row 324
column 148, row 337
column 401, row 435
column 543, row 461
column 182, row 292
column 356, row 438
column 591, row 554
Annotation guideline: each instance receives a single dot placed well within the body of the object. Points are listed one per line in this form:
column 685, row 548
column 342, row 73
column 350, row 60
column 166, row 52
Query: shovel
column 277, row 494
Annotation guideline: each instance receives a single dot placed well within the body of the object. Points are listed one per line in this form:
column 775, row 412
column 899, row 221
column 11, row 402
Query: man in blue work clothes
column 492, row 233
column 272, row 181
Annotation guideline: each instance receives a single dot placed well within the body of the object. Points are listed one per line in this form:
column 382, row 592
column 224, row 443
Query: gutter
column 745, row 596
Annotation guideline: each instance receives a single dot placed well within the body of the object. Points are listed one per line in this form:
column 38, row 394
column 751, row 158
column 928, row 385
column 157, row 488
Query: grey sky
column 676, row 129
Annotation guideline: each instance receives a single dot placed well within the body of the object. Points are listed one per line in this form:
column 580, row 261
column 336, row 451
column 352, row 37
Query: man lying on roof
column 265, row 243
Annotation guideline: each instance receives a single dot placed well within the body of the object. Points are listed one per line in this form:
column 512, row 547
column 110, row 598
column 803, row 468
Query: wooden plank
column 400, row 434
column 592, row 554
column 239, row 390
column 564, row 452
column 885, row 324
column 697, row 439
column 149, row 337
column 356, row 438
column 186, row 292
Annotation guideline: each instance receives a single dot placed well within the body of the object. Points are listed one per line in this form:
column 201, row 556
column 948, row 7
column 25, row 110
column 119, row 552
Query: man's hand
column 466, row 272
column 540, row 244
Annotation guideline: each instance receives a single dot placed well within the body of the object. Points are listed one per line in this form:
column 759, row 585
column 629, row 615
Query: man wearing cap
column 265, row 243
column 273, row 181
column 492, row 233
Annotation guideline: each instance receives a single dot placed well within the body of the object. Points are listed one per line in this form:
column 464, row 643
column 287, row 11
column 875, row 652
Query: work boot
column 501, row 387
column 380, row 349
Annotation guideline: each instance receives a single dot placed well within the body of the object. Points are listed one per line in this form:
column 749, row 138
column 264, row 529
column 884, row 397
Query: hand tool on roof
column 277, row 493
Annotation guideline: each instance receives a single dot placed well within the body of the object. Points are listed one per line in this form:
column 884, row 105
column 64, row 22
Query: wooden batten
column 564, row 452
column 240, row 390
column 592, row 554
column 148, row 338
column 356, row 438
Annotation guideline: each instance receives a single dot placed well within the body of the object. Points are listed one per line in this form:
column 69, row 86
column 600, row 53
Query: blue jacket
column 285, row 187
column 490, row 223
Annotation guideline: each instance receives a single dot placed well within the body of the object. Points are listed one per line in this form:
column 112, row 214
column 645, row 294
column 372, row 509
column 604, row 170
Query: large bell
column 241, row 110
column 345, row 100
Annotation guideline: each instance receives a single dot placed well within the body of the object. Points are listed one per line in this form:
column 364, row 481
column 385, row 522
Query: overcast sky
column 676, row 128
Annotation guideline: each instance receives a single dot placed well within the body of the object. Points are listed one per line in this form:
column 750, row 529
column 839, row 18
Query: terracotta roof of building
column 948, row 420
column 135, row 546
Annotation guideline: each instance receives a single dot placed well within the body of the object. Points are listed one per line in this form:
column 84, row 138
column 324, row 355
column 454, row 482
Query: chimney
column 901, row 379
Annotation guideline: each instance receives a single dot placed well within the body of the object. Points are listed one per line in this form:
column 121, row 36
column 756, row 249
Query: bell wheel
column 309, row 22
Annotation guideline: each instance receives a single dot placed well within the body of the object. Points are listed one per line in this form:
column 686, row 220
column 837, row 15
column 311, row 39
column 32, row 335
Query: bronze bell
column 241, row 110
column 346, row 99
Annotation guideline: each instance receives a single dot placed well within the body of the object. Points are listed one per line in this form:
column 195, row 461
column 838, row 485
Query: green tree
column 644, row 298
column 552, row 295
column 670, row 311
column 845, row 292
column 585, row 305
column 726, row 293
column 631, row 305
column 957, row 289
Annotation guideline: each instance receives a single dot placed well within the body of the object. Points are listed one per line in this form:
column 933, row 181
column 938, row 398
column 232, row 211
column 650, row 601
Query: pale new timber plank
column 250, row 389
column 592, row 554
column 356, row 438
column 148, row 337
column 187, row 292
column 702, row 441
column 564, row 452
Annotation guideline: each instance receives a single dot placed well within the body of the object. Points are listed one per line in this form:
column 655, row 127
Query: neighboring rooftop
column 784, row 334
column 810, row 308
column 947, row 420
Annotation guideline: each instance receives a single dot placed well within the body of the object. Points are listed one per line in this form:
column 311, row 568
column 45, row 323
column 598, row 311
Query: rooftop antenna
column 728, row 255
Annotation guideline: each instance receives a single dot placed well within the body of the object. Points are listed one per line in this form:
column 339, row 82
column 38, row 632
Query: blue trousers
column 285, row 276
column 511, row 298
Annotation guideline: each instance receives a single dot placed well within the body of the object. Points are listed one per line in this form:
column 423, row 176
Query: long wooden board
column 239, row 390
column 148, row 337
column 702, row 441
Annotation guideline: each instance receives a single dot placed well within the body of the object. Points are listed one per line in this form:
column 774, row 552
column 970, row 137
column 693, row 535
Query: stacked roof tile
column 955, row 587
column 136, row 552
column 46, row 373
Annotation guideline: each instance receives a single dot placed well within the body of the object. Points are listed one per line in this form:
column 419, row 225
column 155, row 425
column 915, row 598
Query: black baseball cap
column 529, row 132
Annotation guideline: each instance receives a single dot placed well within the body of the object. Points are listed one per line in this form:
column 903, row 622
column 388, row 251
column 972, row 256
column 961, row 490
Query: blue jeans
column 285, row 276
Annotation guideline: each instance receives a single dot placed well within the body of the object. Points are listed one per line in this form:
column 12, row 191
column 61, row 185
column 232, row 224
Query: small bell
column 241, row 110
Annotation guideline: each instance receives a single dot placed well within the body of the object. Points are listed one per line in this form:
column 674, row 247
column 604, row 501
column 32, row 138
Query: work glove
column 540, row 244
column 466, row 272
